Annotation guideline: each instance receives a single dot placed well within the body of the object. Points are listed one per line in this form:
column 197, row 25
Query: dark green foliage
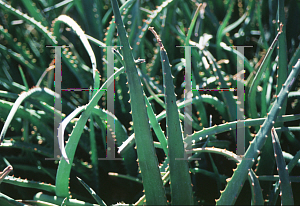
column 149, row 110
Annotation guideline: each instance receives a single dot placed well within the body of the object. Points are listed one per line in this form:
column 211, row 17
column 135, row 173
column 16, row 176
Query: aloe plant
column 155, row 164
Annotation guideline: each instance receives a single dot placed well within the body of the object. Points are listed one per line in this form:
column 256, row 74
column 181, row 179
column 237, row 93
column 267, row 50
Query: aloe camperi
column 157, row 160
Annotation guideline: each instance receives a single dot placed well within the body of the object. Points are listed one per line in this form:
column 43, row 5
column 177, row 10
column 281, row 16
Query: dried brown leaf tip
column 5, row 172
column 157, row 38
